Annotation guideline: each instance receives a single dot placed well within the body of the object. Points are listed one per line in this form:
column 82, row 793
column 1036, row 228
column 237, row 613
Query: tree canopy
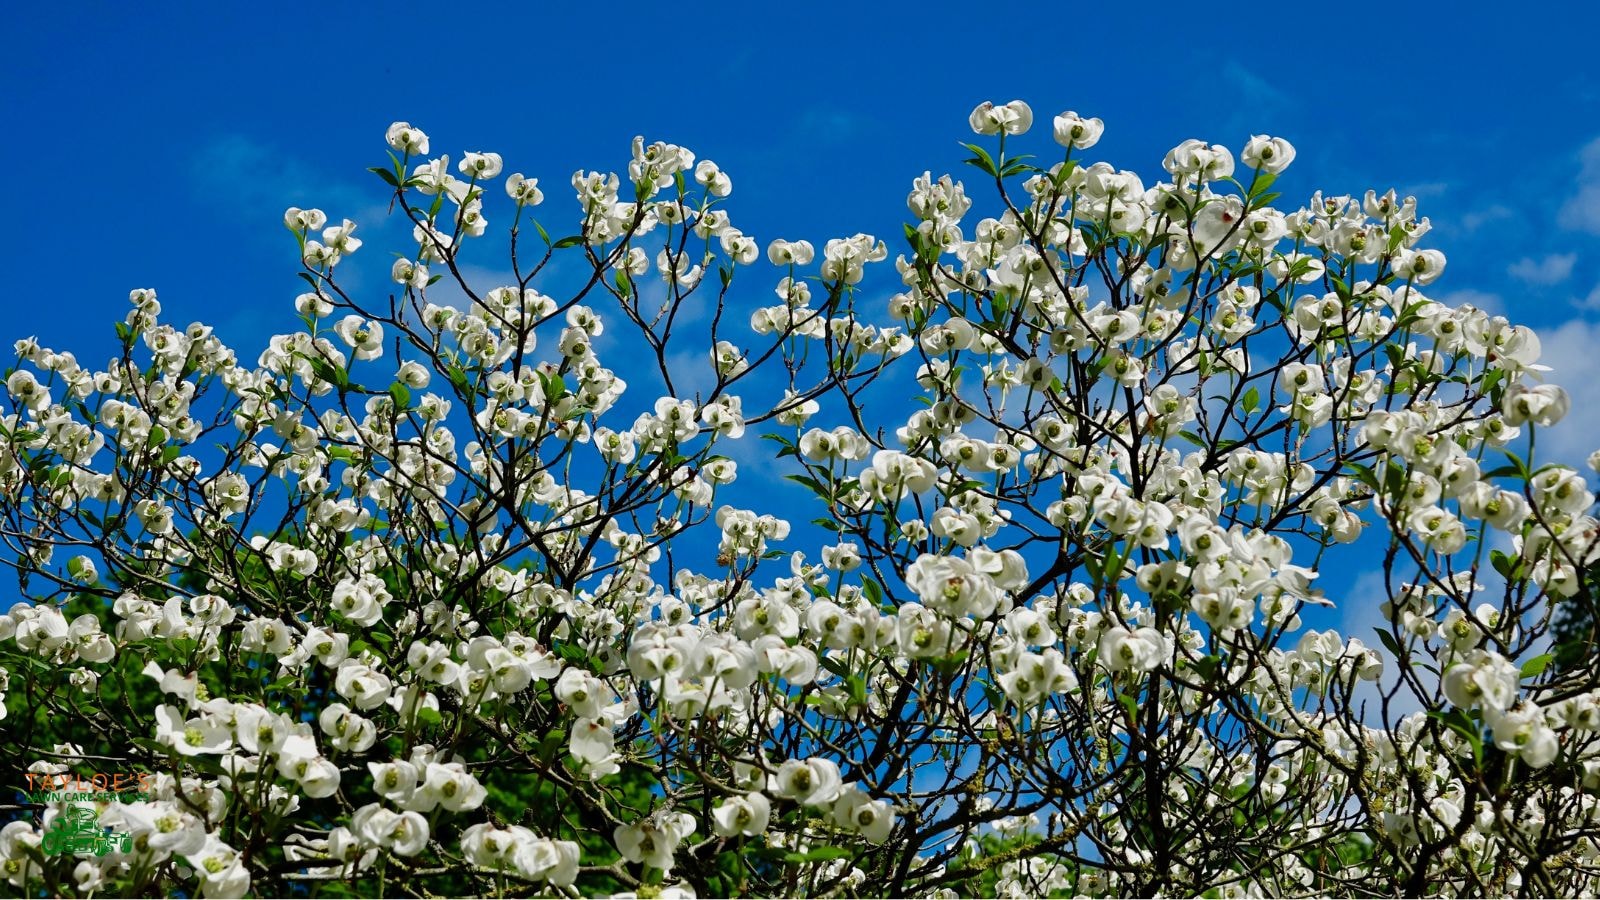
column 1004, row 555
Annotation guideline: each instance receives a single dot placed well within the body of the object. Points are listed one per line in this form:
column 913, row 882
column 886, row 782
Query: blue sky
column 162, row 143
column 170, row 137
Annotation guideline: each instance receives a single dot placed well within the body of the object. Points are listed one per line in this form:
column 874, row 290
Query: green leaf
column 1252, row 399
column 815, row 486
column 873, row 591
column 1131, row 704
column 1518, row 467
column 1365, row 475
column 1462, row 724
column 1263, row 181
column 996, row 699
column 401, row 395
column 983, row 161
column 555, row 387
column 835, row 665
column 789, row 448
column 551, row 744
column 1535, row 667
column 154, row 746
column 328, row 372
column 1394, row 479
column 1206, row 666
column 858, row 689
column 818, row 854
column 385, row 174
column 1489, row 379
column 564, row 243
column 1016, row 166
column 1390, row 644
column 429, row 716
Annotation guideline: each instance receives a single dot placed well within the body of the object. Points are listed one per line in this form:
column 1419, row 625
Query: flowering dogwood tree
column 492, row 588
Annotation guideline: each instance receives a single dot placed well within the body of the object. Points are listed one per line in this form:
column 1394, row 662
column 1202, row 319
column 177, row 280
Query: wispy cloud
column 1426, row 190
column 1252, row 87
column 254, row 181
column 1258, row 104
column 1547, row 270
column 1590, row 302
column 1478, row 218
column 830, row 125
column 1570, row 353
column 1582, row 209
column 1484, row 300
column 481, row 279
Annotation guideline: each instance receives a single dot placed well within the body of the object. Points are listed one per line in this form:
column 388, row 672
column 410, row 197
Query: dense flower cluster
column 429, row 592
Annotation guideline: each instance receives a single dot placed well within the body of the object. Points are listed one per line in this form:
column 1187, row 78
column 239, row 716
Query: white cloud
column 1426, row 190
column 1489, row 303
column 256, row 182
column 447, row 291
column 1582, row 209
column 1552, row 269
column 1476, row 219
column 1360, row 605
column 1572, row 351
column 1592, row 301
column 1391, row 697
column 1252, row 88
column 692, row 374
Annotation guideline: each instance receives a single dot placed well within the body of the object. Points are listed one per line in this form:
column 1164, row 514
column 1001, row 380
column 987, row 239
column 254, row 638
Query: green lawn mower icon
column 77, row 830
